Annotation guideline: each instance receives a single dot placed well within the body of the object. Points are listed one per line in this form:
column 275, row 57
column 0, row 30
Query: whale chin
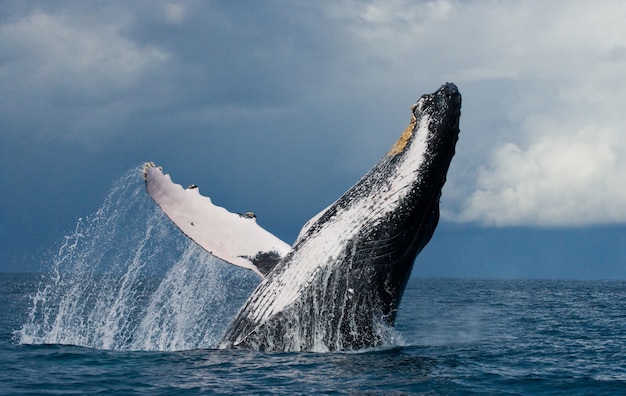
column 338, row 287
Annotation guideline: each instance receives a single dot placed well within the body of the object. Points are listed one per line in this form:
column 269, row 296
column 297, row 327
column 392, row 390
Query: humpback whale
column 338, row 287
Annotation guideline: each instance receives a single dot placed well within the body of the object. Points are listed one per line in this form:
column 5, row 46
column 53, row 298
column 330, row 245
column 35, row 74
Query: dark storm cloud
column 240, row 53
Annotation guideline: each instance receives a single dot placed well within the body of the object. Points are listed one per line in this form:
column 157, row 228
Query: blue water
column 514, row 337
column 130, row 306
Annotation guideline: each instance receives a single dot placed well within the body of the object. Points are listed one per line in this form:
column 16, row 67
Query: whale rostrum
column 338, row 287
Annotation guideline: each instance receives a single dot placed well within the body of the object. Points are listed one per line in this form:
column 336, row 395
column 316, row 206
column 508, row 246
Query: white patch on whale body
column 324, row 245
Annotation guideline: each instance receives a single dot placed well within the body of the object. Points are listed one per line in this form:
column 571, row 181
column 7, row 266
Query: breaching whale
column 338, row 287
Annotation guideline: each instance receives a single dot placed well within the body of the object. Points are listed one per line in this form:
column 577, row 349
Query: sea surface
column 459, row 336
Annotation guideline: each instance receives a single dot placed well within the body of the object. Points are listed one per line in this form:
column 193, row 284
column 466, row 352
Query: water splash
column 127, row 279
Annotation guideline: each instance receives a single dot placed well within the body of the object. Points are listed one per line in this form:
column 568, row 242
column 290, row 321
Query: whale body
column 338, row 287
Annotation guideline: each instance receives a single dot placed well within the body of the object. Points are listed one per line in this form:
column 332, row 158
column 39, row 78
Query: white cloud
column 557, row 180
column 562, row 163
column 555, row 72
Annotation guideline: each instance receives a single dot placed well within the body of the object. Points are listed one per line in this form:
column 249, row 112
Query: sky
column 278, row 107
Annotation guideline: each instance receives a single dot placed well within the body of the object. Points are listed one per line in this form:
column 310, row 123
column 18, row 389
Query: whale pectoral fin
column 232, row 237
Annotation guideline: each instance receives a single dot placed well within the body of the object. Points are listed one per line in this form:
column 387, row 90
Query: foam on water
column 127, row 279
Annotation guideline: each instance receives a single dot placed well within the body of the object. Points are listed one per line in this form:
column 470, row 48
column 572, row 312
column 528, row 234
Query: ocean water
column 508, row 337
column 128, row 305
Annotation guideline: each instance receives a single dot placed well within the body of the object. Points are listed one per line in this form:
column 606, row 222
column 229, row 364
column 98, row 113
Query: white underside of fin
column 229, row 236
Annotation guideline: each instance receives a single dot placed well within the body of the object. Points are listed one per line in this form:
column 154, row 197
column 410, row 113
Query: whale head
column 341, row 284
column 410, row 180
